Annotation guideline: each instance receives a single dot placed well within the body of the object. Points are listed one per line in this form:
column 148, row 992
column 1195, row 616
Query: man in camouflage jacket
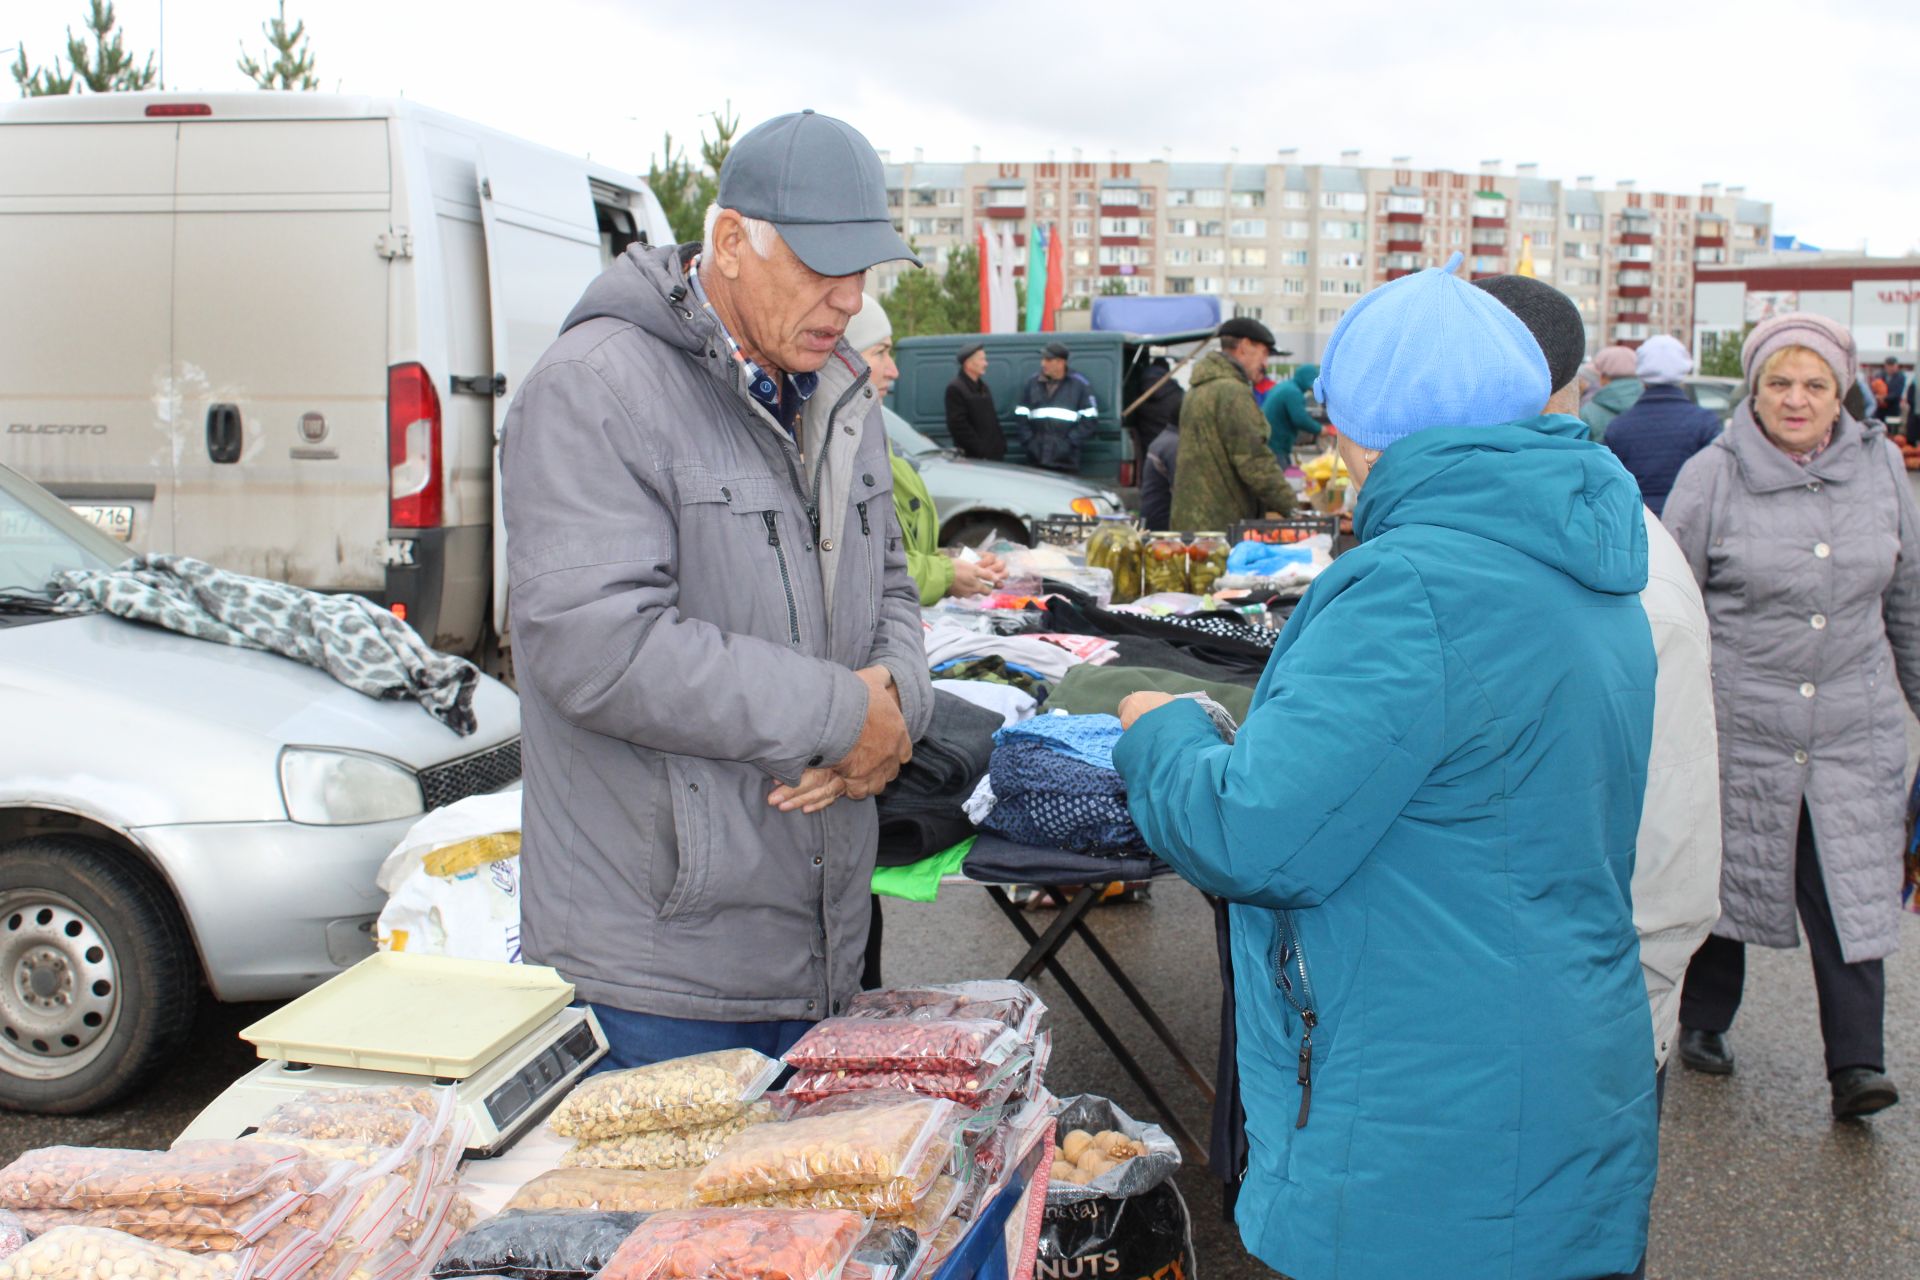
column 1226, row 470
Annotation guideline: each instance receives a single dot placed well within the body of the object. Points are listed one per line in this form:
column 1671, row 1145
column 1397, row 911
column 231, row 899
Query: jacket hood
column 1303, row 376
column 639, row 287
column 1619, row 394
column 1539, row 486
column 1215, row 367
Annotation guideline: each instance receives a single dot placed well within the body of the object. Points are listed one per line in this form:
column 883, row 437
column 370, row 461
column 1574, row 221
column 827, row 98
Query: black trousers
column 870, row 975
column 1853, row 997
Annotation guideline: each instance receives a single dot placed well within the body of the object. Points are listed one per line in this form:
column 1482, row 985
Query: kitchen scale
column 504, row 1037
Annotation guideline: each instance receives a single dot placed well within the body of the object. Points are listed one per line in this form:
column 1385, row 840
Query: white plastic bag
column 455, row 907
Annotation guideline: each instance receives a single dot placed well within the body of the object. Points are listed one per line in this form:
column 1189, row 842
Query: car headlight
column 1091, row 507
column 339, row 788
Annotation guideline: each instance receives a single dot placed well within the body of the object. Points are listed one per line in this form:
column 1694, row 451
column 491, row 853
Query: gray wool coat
column 1812, row 583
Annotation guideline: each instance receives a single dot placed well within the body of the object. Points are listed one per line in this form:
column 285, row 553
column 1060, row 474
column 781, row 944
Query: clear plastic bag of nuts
column 739, row 1244
column 999, row 999
column 93, row 1253
column 663, row 1149
column 613, row 1190
column 200, row 1172
column 904, row 1044
column 858, row 1147
column 893, row 1198
column 700, row 1090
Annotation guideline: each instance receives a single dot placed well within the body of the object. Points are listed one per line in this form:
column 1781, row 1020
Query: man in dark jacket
column 1156, row 479
column 1057, row 412
column 972, row 421
column 1160, row 410
column 1226, row 471
column 1896, row 390
column 1654, row 438
column 719, row 649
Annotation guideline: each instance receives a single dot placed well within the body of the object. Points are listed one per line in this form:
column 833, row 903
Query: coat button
column 826, row 544
column 1822, row 550
column 869, row 479
column 817, row 859
column 1819, row 621
column 1814, row 485
column 1799, row 757
column 726, row 493
column 1806, row 690
column 848, row 430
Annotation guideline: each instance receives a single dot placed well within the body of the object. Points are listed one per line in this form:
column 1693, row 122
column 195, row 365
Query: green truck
column 1115, row 363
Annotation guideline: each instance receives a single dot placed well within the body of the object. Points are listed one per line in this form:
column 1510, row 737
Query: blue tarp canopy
column 1154, row 316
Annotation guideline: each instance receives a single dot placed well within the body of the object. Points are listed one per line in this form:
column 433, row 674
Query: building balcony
column 1634, row 291
column 1405, row 246
column 1709, row 242
column 1394, row 273
column 1636, row 237
column 1414, row 218
column 1120, row 211
column 1005, row 211
column 1481, row 221
column 1120, row 240
column 1485, row 275
column 1631, row 317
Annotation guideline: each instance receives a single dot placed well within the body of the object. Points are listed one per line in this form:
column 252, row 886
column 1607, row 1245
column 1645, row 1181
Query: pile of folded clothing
column 1052, row 783
column 920, row 811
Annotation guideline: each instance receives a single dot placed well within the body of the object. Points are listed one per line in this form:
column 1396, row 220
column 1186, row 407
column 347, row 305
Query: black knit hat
column 966, row 351
column 1550, row 316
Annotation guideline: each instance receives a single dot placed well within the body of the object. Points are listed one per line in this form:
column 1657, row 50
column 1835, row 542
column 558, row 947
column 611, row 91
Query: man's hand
column 884, row 744
column 816, row 789
column 976, row 577
column 1135, row 705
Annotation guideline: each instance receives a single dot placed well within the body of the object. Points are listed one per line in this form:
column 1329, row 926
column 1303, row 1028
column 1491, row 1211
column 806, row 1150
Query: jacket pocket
column 688, row 841
column 873, row 508
column 738, row 526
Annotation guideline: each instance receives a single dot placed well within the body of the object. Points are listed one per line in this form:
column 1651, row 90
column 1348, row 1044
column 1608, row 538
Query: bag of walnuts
column 1111, row 1198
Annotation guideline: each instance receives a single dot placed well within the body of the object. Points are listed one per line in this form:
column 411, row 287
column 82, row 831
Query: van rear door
column 543, row 249
column 280, row 322
column 87, row 403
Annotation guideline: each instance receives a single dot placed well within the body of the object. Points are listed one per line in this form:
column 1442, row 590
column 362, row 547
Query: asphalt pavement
column 1755, row 1180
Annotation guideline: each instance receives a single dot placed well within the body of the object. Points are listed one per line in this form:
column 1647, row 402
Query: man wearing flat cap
column 1057, row 412
column 1227, row 472
column 718, row 644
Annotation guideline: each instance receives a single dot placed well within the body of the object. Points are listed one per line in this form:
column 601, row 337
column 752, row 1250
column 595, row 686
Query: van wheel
column 971, row 531
column 98, row 982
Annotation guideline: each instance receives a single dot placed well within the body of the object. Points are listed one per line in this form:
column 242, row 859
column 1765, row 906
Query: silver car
column 977, row 500
column 177, row 814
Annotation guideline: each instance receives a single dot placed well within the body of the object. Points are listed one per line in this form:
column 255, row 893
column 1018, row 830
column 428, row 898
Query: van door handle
column 223, row 433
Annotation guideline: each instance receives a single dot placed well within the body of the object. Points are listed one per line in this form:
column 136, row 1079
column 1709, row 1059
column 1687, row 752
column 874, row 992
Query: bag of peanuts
column 701, row 1090
column 92, row 1253
column 904, row 1044
column 208, row 1172
column 739, row 1244
column 999, row 999
column 13, row 1233
column 615, row 1190
column 892, row 1198
column 853, row 1148
column 664, row 1149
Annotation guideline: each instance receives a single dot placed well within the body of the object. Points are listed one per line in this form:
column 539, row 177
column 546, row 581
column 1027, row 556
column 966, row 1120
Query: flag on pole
column 1525, row 266
column 1004, row 318
column 1056, row 286
column 1036, row 277
column 986, row 282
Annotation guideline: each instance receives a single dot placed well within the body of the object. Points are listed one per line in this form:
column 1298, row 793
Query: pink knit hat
column 1614, row 362
column 1827, row 339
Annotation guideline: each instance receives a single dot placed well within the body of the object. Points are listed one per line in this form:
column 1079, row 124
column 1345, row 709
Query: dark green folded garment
column 1091, row 690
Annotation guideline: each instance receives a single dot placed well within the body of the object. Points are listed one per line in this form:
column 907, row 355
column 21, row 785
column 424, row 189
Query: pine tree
column 1720, row 353
column 106, row 67
column 684, row 192
column 288, row 62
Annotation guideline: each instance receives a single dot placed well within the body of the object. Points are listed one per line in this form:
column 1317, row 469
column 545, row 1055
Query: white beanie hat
column 1661, row 359
column 869, row 324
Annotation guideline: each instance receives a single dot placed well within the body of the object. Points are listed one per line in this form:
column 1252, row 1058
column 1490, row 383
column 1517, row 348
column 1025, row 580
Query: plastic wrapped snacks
column 208, row 1172
column 700, row 1090
column 904, row 1044
column 893, row 1198
column 739, row 1244
column 1000, row 999
column 91, row 1253
column 847, row 1149
column 617, row 1190
column 661, row 1149
column 567, row 1244
column 13, row 1234
column 978, row 1088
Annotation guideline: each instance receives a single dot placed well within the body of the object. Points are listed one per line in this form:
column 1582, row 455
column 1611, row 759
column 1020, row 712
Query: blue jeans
column 642, row 1039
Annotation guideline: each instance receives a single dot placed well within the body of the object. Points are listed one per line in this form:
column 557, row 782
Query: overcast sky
column 1811, row 107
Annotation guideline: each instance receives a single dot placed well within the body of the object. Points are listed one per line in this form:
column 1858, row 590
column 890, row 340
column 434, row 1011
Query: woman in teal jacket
column 1426, row 829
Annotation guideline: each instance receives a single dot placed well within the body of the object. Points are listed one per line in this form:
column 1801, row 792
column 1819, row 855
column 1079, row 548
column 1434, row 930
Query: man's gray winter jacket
column 691, row 595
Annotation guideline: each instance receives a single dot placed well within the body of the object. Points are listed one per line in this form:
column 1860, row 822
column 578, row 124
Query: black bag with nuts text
column 1114, row 1219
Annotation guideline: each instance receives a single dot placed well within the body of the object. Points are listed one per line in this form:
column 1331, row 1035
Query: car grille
column 475, row 775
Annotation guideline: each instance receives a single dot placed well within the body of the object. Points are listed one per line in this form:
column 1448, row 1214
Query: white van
column 278, row 331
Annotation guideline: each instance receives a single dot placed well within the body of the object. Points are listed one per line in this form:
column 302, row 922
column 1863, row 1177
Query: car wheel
column 972, row 530
column 98, row 982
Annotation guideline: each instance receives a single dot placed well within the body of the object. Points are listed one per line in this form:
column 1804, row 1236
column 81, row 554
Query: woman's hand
column 1135, row 705
column 976, row 577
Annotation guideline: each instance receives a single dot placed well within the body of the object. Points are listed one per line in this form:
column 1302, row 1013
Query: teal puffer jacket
column 1426, row 827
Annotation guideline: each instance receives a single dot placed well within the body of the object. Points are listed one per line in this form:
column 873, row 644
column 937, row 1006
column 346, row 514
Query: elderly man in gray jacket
column 718, row 645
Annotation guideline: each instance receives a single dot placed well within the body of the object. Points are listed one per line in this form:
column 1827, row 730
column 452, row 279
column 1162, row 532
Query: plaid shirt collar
column 763, row 386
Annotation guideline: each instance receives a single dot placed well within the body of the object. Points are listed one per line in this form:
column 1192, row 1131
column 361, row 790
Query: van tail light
column 416, row 489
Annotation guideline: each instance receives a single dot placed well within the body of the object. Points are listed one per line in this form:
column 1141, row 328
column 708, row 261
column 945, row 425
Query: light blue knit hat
column 1429, row 350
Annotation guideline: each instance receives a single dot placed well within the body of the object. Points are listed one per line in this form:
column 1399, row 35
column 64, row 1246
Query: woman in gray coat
column 1802, row 528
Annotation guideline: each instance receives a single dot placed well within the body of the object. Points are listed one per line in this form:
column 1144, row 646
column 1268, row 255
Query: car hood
column 103, row 660
column 1034, row 480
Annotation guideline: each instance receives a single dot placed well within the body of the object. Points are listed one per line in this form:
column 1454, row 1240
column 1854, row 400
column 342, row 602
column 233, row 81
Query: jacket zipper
column 865, row 529
column 780, row 554
column 1288, row 948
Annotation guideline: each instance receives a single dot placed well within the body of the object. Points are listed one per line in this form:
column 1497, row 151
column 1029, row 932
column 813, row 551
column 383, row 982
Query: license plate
column 115, row 522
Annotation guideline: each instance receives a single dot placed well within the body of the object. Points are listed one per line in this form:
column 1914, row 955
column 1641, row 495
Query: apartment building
column 1295, row 244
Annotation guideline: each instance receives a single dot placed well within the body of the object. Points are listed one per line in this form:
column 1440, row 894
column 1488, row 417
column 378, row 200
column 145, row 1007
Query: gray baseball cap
column 819, row 182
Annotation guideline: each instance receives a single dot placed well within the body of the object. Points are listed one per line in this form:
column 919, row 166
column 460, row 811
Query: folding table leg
column 1190, row 1148
column 1146, row 1011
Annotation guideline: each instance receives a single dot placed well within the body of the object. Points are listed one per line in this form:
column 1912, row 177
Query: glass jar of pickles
column 1206, row 561
column 1166, row 563
column 1117, row 547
